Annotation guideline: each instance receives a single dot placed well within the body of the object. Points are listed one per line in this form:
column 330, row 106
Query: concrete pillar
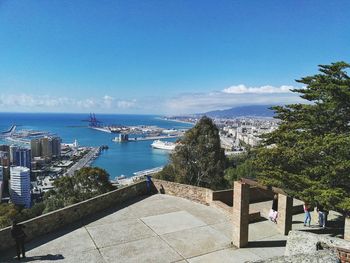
column 285, row 214
column 347, row 228
column 240, row 214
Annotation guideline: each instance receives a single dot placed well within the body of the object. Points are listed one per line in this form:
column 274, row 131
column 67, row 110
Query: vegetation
column 240, row 165
column 309, row 154
column 198, row 159
column 86, row 183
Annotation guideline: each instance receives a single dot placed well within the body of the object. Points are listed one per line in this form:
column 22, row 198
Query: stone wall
column 344, row 255
column 193, row 193
column 347, row 228
column 225, row 196
column 301, row 242
column 54, row 220
column 260, row 195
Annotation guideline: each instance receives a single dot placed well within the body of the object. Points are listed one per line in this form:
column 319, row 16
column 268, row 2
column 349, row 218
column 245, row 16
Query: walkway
column 159, row 228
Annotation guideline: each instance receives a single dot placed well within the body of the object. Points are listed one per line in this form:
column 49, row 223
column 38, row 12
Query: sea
column 120, row 159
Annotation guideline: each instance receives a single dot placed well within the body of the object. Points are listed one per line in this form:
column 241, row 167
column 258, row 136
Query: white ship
column 164, row 145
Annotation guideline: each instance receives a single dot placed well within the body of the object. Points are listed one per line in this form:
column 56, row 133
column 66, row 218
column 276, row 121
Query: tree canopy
column 309, row 154
column 86, row 183
column 198, row 159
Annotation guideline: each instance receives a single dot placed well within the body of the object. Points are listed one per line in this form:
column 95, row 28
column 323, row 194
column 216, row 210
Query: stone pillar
column 285, row 214
column 347, row 228
column 240, row 214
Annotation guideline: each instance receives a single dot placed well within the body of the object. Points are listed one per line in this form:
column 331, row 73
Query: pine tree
column 309, row 154
column 198, row 159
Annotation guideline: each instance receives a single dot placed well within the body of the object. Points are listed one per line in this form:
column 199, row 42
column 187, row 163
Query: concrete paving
column 159, row 228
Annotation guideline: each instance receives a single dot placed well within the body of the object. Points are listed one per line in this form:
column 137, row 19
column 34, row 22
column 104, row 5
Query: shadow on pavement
column 267, row 243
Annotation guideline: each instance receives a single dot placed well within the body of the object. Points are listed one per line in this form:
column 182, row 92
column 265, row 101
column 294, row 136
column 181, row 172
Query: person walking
column 273, row 212
column 321, row 216
column 307, row 209
column 19, row 237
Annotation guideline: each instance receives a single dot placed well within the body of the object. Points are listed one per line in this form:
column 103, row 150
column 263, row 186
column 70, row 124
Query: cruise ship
column 163, row 145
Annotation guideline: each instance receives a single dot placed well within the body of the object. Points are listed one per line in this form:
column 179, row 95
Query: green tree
column 8, row 212
column 86, row 183
column 198, row 159
column 242, row 166
column 309, row 154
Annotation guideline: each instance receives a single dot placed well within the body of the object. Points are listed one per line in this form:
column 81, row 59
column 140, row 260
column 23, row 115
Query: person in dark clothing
column 275, row 202
column 273, row 212
column 19, row 237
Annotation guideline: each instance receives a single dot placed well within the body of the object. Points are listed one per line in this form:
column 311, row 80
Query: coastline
column 178, row 121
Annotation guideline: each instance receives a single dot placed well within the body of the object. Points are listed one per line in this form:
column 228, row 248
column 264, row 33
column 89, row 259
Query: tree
column 8, row 212
column 309, row 154
column 86, row 183
column 198, row 159
column 241, row 165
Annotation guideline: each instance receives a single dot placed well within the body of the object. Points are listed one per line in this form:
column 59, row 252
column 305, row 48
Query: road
column 83, row 161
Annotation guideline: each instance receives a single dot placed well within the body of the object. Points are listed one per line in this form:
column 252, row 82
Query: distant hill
column 243, row 111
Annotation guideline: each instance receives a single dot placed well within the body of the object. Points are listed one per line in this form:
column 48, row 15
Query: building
column 56, row 146
column 47, row 147
column 35, row 146
column 20, row 186
column 4, row 158
column 23, row 157
column 13, row 149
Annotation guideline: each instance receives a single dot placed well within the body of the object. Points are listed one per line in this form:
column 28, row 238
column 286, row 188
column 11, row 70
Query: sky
column 163, row 57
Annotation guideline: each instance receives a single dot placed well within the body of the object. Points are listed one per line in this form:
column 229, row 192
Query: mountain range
column 242, row 111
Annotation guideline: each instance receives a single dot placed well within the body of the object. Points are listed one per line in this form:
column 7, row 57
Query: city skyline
column 163, row 57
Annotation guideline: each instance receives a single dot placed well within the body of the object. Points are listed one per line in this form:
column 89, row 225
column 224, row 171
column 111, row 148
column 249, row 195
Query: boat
column 163, row 145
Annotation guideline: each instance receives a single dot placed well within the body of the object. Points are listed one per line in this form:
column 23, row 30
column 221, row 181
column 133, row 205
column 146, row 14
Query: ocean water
column 120, row 158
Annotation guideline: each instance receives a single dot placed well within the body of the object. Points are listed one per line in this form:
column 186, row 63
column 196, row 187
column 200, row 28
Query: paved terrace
column 159, row 228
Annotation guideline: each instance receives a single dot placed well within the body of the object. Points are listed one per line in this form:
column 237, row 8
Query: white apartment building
column 20, row 186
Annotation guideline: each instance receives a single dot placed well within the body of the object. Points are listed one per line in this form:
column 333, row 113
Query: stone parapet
column 347, row 229
column 193, row 193
column 54, row 220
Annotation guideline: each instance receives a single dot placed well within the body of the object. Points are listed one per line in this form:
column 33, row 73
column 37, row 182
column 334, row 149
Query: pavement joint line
column 217, row 250
column 110, row 223
column 97, row 248
column 183, row 258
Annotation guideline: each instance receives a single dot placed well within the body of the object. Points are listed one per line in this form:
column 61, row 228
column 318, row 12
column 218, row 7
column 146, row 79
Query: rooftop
column 158, row 228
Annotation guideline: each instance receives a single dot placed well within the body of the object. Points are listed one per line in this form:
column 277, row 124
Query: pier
column 152, row 138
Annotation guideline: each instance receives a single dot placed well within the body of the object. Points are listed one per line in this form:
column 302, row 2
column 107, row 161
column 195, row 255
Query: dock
column 149, row 171
column 152, row 138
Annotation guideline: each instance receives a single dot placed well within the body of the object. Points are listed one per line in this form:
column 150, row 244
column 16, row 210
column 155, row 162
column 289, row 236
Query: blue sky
column 167, row 57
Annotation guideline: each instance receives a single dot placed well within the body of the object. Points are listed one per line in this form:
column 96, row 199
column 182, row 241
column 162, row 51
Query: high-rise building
column 13, row 149
column 35, row 146
column 56, row 146
column 46, row 147
column 23, row 157
column 20, row 186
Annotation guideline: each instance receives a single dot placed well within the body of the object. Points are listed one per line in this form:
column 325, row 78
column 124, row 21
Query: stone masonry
column 240, row 214
column 285, row 214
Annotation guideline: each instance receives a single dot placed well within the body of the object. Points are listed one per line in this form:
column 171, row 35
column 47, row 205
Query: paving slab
column 224, row 228
column 116, row 216
column 119, row 232
column 261, row 230
column 151, row 250
column 197, row 241
column 154, row 207
column 172, row 222
column 63, row 244
column 226, row 255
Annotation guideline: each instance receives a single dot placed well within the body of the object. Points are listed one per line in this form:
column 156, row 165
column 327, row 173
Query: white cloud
column 48, row 103
column 242, row 89
column 233, row 96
